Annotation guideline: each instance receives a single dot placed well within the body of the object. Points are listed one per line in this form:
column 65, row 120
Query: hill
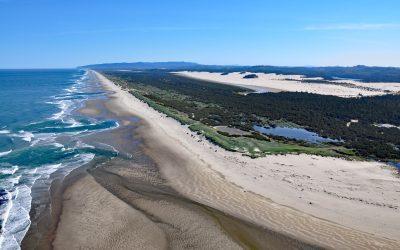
column 359, row 72
column 141, row 65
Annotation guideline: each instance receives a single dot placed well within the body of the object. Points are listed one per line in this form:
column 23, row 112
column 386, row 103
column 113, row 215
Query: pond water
column 396, row 165
column 293, row 133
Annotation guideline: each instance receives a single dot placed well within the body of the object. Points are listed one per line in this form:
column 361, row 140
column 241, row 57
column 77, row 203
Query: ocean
column 40, row 133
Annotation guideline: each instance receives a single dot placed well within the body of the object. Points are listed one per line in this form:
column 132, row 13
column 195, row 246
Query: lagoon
column 293, row 133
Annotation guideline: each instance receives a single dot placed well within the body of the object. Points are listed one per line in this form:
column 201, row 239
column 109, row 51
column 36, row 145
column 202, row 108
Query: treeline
column 325, row 115
column 360, row 72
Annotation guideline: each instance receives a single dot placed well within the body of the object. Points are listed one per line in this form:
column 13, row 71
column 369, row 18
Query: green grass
column 255, row 148
column 248, row 146
column 179, row 116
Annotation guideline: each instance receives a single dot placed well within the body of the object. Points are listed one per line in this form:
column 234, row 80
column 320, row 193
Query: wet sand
column 157, row 194
column 125, row 203
column 192, row 168
column 177, row 222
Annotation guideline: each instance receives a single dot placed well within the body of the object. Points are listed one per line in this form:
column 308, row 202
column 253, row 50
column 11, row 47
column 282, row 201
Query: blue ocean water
column 39, row 134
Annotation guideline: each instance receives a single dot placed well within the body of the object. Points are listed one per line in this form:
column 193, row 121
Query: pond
column 293, row 133
column 396, row 165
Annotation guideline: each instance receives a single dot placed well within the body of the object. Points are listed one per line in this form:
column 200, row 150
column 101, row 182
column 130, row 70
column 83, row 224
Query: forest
column 359, row 72
column 217, row 104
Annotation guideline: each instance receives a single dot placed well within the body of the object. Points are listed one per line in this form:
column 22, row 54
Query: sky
column 69, row 33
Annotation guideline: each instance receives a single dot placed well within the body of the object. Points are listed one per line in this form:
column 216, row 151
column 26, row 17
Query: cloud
column 355, row 26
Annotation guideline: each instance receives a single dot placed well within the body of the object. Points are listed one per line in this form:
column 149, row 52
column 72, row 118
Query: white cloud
column 355, row 26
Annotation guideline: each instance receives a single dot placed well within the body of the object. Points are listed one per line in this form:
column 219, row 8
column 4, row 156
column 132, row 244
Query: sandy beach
column 86, row 202
column 170, row 188
column 313, row 198
column 293, row 83
column 127, row 198
column 200, row 125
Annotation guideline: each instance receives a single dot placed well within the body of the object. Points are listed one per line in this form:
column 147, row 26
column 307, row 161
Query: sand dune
column 292, row 83
column 326, row 201
column 392, row 87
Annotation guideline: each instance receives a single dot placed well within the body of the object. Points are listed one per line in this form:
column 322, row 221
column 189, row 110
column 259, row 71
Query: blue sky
column 67, row 33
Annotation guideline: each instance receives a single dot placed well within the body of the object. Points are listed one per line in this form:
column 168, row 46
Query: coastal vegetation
column 203, row 105
column 359, row 72
column 250, row 76
column 253, row 144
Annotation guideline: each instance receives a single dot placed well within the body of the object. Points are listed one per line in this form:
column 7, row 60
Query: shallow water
column 136, row 179
column 293, row 133
column 39, row 134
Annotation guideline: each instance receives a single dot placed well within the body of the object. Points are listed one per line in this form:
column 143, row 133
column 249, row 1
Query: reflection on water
column 293, row 133
column 396, row 165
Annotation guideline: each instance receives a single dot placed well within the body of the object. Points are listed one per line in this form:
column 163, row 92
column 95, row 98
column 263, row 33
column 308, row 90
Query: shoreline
column 47, row 208
column 170, row 181
column 151, row 204
column 169, row 133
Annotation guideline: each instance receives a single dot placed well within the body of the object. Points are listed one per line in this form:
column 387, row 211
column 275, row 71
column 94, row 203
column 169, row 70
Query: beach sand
column 390, row 87
column 292, row 83
column 172, row 189
column 125, row 197
column 326, row 201
column 96, row 219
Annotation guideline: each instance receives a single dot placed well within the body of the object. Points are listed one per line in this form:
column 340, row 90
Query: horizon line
column 200, row 64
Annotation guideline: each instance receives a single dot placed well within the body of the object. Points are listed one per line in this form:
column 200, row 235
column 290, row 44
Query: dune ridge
column 228, row 182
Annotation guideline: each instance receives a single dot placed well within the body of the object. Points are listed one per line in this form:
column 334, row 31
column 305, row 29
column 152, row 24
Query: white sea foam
column 17, row 219
column 64, row 106
column 9, row 170
column 47, row 170
column 5, row 153
column 15, row 212
column 46, row 138
column 25, row 135
column 80, row 144
column 58, row 145
column 15, row 215
column 13, row 180
column 64, row 102
column 4, row 214
column 73, row 122
column 86, row 158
